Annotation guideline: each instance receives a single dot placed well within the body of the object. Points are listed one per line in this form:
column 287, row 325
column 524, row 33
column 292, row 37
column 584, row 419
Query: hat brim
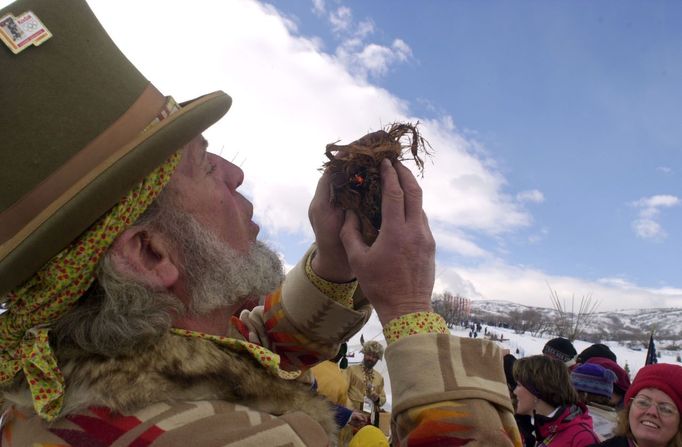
column 63, row 221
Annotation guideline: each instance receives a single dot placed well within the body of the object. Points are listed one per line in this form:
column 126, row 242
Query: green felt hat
column 73, row 113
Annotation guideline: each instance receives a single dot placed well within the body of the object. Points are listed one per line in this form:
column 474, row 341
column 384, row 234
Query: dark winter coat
column 618, row 441
column 571, row 426
column 525, row 424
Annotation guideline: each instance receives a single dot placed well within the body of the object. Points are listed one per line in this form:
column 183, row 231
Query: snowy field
column 526, row 345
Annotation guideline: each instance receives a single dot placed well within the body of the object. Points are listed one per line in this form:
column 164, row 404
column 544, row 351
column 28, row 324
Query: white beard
column 220, row 276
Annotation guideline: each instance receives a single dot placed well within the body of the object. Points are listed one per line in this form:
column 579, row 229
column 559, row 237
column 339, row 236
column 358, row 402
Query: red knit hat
column 662, row 376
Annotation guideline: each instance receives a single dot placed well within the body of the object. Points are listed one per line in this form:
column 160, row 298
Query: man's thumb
column 350, row 235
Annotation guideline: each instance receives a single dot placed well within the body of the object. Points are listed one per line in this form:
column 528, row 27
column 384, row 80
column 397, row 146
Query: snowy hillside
column 629, row 325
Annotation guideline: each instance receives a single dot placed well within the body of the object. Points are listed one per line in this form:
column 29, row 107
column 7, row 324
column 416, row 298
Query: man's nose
column 233, row 176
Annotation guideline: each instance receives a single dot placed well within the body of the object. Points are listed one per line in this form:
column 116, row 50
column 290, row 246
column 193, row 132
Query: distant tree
column 528, row 320
column 535, row 322
column 572, row 324
column 627, row 368
column 453, row 308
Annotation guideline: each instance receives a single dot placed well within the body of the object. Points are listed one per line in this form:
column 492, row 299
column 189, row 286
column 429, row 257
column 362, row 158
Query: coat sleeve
column 584, row 438
column 449, row 391
column 381, row 391
column 302, row 324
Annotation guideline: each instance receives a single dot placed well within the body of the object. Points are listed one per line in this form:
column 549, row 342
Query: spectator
column 594, row 385
column 561, row 349
column 651, row 416
column 622, row 383
column 366, row 385
column 522, row 420
column 544, row 391
column 596, row 350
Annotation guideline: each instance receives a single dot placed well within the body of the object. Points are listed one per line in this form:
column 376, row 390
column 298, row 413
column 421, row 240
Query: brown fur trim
column 180, row 369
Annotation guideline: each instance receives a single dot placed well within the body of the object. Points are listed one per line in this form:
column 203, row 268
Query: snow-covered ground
column 526, row 344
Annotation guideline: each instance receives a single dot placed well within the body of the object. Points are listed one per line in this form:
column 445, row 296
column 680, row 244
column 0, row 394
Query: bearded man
column 127, row 251
column 366, row 385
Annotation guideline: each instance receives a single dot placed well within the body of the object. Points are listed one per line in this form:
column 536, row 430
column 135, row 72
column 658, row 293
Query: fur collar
column 178, row 368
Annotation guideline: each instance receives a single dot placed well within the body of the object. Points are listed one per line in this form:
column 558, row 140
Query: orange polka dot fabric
column 415, row 323
column 268, row 359
column 54, row 289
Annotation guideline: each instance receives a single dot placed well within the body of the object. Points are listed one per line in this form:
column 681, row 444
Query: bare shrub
column 572, row 324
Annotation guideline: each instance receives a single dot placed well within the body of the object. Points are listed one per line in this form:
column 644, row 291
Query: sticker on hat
column 19, row 33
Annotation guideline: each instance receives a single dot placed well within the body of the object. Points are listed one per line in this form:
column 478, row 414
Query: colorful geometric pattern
column 295, row 350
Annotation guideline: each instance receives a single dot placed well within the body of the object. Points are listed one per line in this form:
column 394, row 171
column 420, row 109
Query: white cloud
column 364, row 28
column 454, row 241
column 539, row 236
column 648, row 229
column 341, row 19
column 319, row 7
column 646, row 225
column 449, row 280
column 657, row 201
column 533, row 196
column 461, row 190
column 376, row 59
column 361, row 58
column 664, row 169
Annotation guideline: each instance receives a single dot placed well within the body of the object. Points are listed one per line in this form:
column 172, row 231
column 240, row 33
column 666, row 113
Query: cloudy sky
column 556, row 126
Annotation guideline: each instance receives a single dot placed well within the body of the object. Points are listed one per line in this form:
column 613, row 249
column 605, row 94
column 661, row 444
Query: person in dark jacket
column 523, row 421
column 544, row 391
column 651, row 417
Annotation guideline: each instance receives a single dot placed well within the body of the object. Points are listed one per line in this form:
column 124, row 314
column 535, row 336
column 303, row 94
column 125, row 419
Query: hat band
column 24, row 216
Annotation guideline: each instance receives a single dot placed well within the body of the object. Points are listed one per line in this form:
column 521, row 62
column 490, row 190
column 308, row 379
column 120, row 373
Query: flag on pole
column 651, row 358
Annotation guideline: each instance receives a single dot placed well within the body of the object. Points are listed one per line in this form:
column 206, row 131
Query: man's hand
column 397, row 272
column 358, row 419
column 330, row 261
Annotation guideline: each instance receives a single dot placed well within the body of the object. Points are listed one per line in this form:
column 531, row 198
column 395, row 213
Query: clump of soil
column 354, row 169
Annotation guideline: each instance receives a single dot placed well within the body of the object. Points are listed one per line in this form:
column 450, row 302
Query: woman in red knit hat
column 651, row 417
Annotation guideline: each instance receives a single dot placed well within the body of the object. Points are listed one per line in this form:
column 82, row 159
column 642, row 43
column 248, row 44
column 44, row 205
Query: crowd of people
column 563, row 398
column 139, row 307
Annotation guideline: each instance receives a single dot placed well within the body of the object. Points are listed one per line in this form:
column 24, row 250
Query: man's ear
column 147, row 256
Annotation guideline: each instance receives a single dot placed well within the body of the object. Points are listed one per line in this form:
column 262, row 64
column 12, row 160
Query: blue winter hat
column 593, row 379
